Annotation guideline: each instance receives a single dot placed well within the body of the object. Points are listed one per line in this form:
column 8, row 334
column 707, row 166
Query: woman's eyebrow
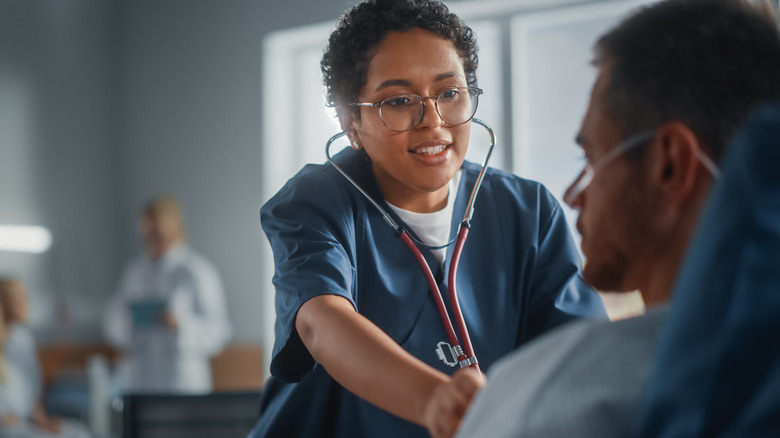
column 407, row 83
column 392, row 83
column 443, row 76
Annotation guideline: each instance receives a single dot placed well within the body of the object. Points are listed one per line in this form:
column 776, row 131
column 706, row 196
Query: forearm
column 365, row 360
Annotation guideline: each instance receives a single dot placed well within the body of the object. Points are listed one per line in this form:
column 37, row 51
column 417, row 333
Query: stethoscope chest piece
column 447, row 354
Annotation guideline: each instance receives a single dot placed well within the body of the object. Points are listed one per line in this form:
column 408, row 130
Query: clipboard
column 146, row 313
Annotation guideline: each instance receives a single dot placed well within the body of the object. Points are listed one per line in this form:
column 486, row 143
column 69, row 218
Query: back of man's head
column 706, row 63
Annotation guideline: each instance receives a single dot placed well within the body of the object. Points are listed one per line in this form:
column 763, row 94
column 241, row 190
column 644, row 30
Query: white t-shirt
column 433, row 228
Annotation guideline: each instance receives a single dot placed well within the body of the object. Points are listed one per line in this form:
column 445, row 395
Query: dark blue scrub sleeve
column 311, row 259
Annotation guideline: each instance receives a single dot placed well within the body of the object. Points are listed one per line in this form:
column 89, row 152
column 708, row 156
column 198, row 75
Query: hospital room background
column 218, row 102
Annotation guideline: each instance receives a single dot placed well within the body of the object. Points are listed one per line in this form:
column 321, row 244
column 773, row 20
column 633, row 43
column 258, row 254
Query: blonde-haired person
column 22, row 414
column 168, row 314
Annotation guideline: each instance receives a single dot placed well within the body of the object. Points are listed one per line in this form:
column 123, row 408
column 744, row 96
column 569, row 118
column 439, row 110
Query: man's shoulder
column 582, row 379
column 593, row 336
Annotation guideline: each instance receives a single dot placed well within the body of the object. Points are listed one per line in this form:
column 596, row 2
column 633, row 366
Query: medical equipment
column 591, row 170
column 454, row 352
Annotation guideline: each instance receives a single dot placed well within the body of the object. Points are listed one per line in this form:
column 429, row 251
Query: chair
column 214, row 415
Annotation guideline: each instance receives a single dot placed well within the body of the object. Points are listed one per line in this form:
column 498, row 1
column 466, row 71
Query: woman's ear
column 347, row 122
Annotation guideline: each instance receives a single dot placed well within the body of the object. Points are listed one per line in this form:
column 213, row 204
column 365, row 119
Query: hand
column 8, row 420
column 449, row 401
column 51, row 425
column 169, row 320
column 44, row 422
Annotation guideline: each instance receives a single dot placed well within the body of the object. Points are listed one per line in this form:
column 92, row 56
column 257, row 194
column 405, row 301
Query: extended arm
column 367, row 362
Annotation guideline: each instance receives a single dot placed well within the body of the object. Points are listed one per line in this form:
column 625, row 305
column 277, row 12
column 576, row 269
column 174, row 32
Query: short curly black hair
column 351, row 46
column 707, row 63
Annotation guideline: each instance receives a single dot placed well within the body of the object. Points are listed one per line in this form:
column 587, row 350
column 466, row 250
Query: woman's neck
column 422, row 202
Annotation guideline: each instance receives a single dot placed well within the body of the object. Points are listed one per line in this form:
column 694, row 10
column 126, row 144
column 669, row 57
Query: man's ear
column 676, row 161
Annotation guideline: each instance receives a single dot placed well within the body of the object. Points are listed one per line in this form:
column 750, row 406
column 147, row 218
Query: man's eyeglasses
column 589, row 172
column 403, row 112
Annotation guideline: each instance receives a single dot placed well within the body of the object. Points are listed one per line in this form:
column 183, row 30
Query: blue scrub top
column 518, row 276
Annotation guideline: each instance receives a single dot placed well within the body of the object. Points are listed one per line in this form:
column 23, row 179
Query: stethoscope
column 452, row 353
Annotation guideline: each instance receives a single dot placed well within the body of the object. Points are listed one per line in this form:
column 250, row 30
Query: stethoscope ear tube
column 376, row 205
column 466, row 356
column 481, row 176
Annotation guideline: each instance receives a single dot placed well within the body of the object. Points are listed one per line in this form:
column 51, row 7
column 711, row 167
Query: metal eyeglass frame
column 474, row 92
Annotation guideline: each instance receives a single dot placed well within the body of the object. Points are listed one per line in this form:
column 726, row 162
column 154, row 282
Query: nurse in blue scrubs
column 356, row 325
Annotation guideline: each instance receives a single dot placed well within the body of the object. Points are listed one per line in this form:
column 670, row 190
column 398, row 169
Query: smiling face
column 615, row 210
column 412, row 167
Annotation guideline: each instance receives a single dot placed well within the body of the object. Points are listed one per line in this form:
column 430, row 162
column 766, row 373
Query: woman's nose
column 430, row 116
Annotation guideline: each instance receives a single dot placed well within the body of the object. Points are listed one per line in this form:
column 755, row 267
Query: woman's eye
column 449, row 94
column 397, row 101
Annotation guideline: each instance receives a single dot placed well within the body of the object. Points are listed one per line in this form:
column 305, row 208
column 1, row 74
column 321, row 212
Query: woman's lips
column 430, row 150
column 431, row 155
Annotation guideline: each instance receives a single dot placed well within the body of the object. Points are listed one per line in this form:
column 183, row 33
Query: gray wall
column 191, row 75
column 103, row 104
column 59, row 148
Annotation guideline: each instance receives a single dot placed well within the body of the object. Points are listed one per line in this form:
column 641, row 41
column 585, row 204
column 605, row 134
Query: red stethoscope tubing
column 466, row 356
column 456, row 312
column 445, row 317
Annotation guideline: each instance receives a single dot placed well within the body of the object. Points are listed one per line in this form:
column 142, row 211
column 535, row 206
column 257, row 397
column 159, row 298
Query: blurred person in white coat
column 168, row 315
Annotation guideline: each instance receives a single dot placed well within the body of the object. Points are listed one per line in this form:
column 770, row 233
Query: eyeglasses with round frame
column 403, row 112
column 591, row 170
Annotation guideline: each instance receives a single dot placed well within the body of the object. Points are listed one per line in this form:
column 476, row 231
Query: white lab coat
column 156, row 357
